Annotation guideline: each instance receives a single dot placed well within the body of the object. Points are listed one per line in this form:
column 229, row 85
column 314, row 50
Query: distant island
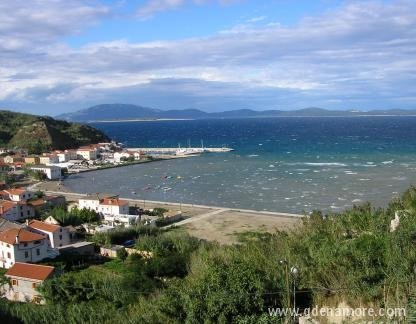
column 127, row 112
column 39, row 134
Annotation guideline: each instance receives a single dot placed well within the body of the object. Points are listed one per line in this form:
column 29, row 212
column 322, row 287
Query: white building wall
column 24, row 290
column 33, row 252
column 88, row 204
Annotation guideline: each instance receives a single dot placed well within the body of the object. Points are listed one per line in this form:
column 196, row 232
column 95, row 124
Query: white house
column 114, row 206
column 52, row 172
column 107, row 205
column 9, row 210
column 14, row 211
column 71, row 154
column 49, row 159
column 62, row 156
column 119, row 156
column 24, row 278
column 58, row 235
column 87, row 153
column 17, row 194
column 21, row 245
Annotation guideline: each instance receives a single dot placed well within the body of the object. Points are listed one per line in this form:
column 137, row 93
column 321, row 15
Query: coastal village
column 39, row 228
column 30, row 237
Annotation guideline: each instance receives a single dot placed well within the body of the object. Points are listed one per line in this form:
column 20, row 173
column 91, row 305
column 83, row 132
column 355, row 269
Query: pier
column 181, row 151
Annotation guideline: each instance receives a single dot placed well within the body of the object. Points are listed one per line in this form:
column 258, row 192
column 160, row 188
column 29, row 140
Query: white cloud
column 362, row 53
column 151, row 7
column 29, row 23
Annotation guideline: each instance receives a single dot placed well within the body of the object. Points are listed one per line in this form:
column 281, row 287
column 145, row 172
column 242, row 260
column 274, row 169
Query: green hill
column 39, row 133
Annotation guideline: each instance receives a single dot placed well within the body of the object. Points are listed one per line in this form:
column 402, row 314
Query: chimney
column 1, row 209
column 17, row 239
column 27, row 222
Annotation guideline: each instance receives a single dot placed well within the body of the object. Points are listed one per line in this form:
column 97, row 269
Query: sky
column 60, row 56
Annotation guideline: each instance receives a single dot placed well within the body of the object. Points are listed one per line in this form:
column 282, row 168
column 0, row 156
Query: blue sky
column 59, row 56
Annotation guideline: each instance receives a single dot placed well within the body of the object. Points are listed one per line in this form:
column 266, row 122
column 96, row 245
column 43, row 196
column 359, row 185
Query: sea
column 293, row 164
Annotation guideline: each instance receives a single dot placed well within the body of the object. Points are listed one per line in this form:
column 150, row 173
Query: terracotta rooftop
column 9, row 236
column 30, row 271
column 44, row 226
column 113, row 202
column 6, row 205
column 16, row 191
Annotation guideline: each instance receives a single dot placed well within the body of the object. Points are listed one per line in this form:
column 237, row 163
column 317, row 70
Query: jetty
column 183, row 151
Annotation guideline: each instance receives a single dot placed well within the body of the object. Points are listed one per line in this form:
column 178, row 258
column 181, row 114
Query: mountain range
column 117, row 112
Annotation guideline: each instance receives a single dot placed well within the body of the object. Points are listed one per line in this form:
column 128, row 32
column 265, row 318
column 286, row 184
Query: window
column 60, row 237
column 26, row 254
column 8, row 255
column 21, row 214
column 34, row 284
column 15, row 282
column 37, row 242
column 25, row 244
column 28, row 212
column 37, row 252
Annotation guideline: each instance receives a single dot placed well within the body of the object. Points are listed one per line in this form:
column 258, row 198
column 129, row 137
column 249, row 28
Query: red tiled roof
column 9, row 236
column 37, row 202
column 6, row 205
column 16, row 191
column 44, row 226
column 113, row 202
column 30, row 271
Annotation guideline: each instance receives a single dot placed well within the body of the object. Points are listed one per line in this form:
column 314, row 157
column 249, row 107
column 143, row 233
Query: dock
column 181, row 151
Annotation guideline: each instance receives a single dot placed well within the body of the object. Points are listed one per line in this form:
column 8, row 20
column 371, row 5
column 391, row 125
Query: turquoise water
column 279, row 164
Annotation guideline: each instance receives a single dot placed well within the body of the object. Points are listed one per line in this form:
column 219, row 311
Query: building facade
column 24, row 279
column 57, row 235
column 52, row 172
column 21, row 245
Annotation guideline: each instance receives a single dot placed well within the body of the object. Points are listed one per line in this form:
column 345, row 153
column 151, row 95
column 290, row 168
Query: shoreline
column 213, row 223
column 178, row 204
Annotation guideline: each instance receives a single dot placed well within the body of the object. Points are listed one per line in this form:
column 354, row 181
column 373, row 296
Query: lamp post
column 294, row 271
column 286, row 264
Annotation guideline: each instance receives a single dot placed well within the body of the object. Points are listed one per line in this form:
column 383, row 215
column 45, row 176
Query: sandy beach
column 206, row 222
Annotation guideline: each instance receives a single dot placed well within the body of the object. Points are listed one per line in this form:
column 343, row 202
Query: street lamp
column 286, row 264
column 294, row 271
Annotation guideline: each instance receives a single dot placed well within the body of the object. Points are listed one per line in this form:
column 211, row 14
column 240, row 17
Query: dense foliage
column 40, row 134
column 350, row 257
column 73, row 217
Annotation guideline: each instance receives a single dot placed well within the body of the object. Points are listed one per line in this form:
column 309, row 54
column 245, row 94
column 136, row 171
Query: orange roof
column 36, row 202
column 30, row 271
column 9, row 236
column 113, row 201
column 16, row 191
column 44, row 226
column 6, row 205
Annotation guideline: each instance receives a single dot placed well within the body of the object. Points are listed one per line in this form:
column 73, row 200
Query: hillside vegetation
column 350, row 257
column 39, row 134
